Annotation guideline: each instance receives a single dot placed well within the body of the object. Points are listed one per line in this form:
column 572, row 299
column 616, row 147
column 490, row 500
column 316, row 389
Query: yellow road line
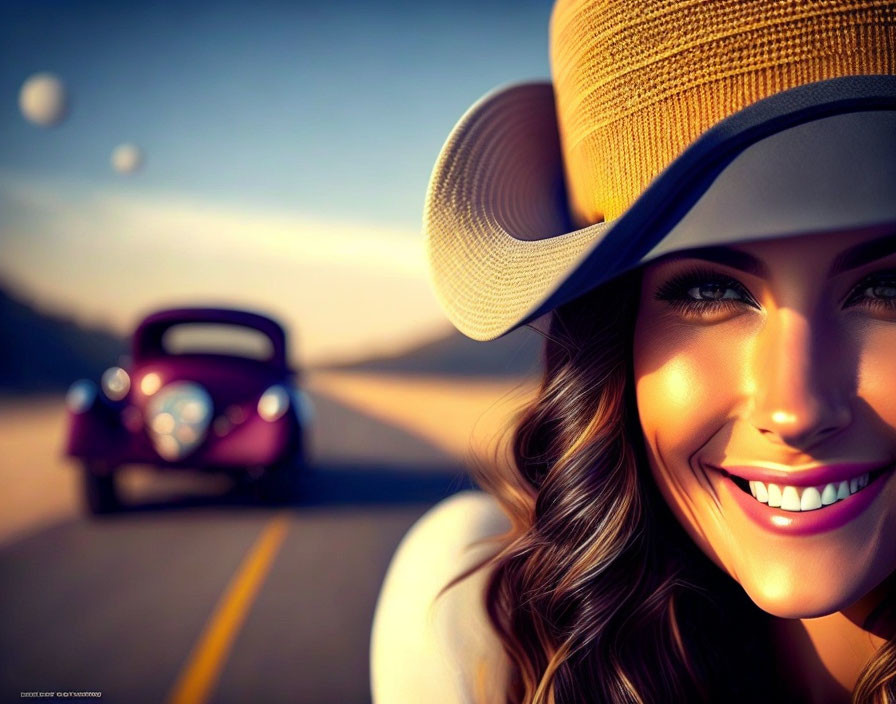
column 199, row 675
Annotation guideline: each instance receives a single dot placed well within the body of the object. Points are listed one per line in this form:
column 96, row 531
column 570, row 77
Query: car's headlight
column 177, row 418
column 116, row 383
column 273, row 403
column 80, row 396
column 150, row 383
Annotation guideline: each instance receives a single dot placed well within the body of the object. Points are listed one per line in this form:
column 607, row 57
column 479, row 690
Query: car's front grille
column 177, row 419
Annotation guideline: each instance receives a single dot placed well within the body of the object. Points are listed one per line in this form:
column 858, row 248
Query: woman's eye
column 876, row 291
column 702, row 293
column 713, row 292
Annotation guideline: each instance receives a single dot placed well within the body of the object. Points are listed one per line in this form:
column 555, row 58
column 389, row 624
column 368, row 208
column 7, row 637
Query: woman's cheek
column 687, row 386
column 685, row 401
column 877, row 373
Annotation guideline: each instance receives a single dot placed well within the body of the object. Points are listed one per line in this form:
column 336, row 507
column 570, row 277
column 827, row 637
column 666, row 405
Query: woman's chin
column 809, row 593
column 798, row 604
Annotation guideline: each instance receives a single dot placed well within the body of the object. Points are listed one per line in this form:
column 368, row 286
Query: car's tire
column 281, row 482
column 100, row 490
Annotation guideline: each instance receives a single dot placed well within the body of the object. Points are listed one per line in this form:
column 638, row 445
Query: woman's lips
column 808, row 501
column 810, row 476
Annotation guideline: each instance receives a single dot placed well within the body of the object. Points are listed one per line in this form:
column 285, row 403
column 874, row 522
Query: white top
column 431, row 648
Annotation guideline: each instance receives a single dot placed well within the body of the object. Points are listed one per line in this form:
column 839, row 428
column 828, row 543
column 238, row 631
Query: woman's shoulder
column 428, row 645
column 454, row 527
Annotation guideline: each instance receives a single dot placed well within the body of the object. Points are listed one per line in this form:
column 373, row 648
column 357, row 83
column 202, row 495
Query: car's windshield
column 214, row 338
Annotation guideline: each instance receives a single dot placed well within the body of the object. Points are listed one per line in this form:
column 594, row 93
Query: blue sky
column 329, row 108
column 286, row 127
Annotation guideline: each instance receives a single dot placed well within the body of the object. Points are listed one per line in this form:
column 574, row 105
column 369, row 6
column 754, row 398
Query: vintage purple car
column 207, row 389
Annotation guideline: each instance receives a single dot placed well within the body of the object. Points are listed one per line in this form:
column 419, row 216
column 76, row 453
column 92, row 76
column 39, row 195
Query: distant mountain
column 44, row 352
column 516, row 354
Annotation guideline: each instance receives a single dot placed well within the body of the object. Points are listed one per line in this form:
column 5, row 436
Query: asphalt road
column 213, row 597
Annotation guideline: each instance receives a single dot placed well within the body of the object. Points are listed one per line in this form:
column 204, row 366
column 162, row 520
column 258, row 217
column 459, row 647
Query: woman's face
column 769, row 369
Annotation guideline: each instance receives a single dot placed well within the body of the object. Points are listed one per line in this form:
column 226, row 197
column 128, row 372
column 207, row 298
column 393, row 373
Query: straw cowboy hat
column 669, row 124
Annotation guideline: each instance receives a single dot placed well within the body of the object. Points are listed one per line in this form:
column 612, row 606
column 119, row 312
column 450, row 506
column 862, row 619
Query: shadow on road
column 360, row 461
column 331, row 485
column 380, row 485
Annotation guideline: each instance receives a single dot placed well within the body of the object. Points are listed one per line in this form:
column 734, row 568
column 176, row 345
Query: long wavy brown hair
column 598, row 595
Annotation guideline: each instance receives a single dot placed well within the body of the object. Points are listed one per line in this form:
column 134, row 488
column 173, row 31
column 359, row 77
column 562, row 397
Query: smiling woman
column 701, row 496
column 764, row 377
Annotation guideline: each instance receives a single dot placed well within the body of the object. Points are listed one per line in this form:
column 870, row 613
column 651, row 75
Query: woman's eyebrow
column 863, row 253
column 727, row 256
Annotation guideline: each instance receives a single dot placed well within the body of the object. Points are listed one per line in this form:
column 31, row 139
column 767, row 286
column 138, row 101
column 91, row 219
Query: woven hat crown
column 637, row 81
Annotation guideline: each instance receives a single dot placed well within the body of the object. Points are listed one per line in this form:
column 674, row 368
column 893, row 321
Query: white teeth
column 811, row 498
column 790, row 499
column 843, row 490
column 859, row 482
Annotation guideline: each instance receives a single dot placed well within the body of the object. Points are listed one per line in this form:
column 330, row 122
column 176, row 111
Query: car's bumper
column 102, row 434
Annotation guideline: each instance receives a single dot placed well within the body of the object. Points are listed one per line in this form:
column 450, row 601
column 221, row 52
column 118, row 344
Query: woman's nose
column 799, row 382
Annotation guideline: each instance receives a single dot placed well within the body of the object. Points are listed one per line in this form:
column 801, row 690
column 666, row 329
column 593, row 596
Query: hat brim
column 502, row 251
